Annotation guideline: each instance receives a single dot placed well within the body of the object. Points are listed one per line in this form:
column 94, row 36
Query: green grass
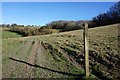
column 8, row 34
column 103, row 45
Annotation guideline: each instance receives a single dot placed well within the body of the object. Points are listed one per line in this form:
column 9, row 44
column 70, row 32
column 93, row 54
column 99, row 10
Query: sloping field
column 61, row 55
column 26, row 57
column 7, row 34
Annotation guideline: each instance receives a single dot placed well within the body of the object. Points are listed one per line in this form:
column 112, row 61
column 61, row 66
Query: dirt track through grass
column 31, row 58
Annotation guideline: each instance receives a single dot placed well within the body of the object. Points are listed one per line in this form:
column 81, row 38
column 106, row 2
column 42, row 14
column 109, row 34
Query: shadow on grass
column 38, row 66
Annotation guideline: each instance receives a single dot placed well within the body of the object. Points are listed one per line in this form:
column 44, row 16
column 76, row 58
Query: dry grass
column 64, row 52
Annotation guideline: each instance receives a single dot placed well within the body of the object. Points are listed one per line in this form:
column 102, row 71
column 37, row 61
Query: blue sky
column 41, row 13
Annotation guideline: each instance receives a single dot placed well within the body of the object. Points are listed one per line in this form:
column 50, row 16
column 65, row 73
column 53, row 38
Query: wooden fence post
column 86, row 49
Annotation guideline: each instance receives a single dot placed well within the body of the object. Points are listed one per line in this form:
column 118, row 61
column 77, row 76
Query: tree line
column 62, row 25
column 110, row 17
column 28, row 30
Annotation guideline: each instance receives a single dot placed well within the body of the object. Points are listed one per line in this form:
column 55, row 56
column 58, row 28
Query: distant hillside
column 63, row 25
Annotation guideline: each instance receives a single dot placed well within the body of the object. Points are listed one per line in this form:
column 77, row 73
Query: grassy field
column 61, row 55
column 7, row 34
